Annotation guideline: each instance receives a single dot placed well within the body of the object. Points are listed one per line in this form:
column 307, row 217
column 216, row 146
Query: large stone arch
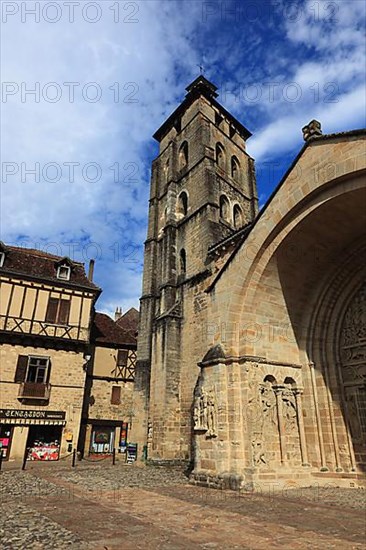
column 271, row 306
column 235, row 293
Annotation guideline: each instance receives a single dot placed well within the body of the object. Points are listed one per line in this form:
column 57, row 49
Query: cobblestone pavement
column 104, row 507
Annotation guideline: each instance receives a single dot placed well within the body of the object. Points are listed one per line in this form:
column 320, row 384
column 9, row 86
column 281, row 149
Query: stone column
column 323, row 467
column 300, row 423
column 281, row 428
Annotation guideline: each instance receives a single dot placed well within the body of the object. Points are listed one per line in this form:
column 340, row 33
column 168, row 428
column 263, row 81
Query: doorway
column 44, row 442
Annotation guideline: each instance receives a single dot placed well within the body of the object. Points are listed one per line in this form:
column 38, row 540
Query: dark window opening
column 220, row 155
column 224, row 208
column 116, row 395
column 234, row 168
column 183, row 203
column 237, row 215
column 63, row 272
column 218, row 119
column 183, row 261
column 183, row 155
column 37, row 372
column 58, row 311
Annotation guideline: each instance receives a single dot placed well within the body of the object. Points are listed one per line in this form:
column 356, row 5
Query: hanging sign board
column 131, row 453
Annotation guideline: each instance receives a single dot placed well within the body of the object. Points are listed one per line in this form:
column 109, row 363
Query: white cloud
column 343, row 115
column 149, row 60
column 141, row 57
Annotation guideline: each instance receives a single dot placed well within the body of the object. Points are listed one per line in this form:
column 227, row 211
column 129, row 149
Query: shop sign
column 131, row 453
column 123, row 438
column 32, row 414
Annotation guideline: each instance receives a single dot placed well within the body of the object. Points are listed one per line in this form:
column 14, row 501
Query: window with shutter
column 21, row 369
column 64, row 311
column 38, row 368
column 52, row 307
column 116, row 395
column 58, row 311
column 122, row 357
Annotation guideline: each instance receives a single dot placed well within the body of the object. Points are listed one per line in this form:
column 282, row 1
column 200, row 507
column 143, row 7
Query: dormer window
column 3, row 252
column 63, row 272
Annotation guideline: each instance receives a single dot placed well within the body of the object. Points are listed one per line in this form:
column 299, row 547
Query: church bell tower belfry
column 202, row 190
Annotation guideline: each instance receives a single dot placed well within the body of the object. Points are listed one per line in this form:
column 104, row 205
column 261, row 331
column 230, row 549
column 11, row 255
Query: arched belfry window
column 182, row 206
column 224, row 208
column 182, row 261
column 220, row 156
column 183, row 155
column 235, row 168
column 237, row 216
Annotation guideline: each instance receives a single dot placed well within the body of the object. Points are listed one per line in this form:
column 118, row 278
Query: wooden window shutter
column 63, row 315
column 116, row 395
column 48, row 371
column 21, row 369
column 51, row 314
column 122, row 357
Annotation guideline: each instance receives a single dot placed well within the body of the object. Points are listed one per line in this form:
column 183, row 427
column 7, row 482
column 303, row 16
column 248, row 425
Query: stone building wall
column 67, row 386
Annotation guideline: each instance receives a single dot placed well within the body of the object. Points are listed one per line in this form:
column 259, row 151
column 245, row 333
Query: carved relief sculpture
column 205, row 412
column 289, row 410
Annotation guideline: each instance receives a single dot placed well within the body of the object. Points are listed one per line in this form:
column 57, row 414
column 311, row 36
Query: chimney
column 312, row 130
column 91, row 270
column 118, row 313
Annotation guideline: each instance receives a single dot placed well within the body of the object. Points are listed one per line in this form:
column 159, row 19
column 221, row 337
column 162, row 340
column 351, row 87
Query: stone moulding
column 211, row 360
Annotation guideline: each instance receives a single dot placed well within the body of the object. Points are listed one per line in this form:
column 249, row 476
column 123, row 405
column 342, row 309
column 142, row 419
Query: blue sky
column 76, row 153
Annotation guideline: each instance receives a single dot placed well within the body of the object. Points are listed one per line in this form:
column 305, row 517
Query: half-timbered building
column 108, row 407
column 46, row 308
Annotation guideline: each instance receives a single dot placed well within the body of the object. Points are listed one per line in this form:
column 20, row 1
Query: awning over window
column 32, row 422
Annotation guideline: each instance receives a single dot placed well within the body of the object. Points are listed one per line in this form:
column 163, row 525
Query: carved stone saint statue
column 211, row 414
column 289, row 409
column 204, row 412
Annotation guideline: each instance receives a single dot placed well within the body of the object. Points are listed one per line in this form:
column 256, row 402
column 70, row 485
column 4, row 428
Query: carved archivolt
column 353, row 363
column 353, row 340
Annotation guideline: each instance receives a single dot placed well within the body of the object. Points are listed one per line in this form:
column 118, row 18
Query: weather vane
column 201, row 68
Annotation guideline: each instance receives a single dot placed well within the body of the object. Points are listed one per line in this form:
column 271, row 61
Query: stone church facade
column 252, row 336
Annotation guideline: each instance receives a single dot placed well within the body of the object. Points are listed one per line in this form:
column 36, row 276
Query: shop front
column 35, row 434
column 6, row 433
column 106, row 435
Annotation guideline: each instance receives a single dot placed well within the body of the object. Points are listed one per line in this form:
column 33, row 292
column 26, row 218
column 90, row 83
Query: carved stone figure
column 289, row 409
column 205, row 412
column 211, row 414
column 258, row 452
column 268, row 402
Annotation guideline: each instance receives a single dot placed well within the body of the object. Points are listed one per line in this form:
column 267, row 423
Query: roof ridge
column 41, row 253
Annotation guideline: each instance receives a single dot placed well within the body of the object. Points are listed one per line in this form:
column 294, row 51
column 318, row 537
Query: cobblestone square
column 105, row 507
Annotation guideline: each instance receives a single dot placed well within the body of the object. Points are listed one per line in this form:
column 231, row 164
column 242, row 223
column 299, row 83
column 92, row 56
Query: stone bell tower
column 202, row 191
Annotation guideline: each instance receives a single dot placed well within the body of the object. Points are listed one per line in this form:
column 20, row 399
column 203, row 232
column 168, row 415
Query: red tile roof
column 129, row 321
column 107, row 331
column 42, row 265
